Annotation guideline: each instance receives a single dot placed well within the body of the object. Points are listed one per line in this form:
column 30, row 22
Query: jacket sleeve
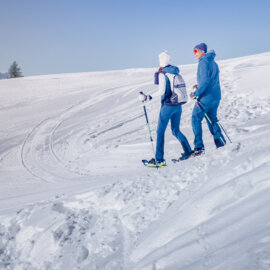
column 162, row 84
column 203, row 72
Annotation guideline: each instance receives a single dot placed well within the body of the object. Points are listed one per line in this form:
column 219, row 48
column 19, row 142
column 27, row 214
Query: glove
column 195, row 87
column 192, row 96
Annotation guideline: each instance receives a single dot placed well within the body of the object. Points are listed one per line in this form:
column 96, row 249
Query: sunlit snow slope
column 74, row 194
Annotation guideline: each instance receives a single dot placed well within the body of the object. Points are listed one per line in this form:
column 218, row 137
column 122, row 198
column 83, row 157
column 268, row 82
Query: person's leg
column 212, row 114
column 214, row 127
column 175, row 123
column 197, row 117
column 164, row 117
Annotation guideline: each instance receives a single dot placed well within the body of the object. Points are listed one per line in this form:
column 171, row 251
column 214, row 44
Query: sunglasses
column 195, row 51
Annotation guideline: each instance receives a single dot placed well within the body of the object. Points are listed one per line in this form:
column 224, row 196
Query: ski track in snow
column 75, row 195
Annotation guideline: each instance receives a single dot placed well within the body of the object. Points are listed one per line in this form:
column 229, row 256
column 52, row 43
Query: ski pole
column 205, row 114
column 224, row 132
column 143, row 99
column 209, row 120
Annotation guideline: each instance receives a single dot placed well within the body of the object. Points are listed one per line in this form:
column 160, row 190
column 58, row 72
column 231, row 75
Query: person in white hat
column 169, row 111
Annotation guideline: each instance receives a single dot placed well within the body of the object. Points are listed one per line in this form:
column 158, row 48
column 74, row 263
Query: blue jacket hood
column 210, row 56
column 171, row 69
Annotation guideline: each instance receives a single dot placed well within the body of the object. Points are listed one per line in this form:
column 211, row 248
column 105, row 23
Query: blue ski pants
column 166, row 114
column 197, row 117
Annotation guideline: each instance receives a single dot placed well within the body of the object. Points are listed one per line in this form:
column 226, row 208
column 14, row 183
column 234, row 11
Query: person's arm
column 203, row 70
column 162, row 84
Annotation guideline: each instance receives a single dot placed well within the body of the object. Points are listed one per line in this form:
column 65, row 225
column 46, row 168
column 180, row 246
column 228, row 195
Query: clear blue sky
column 60, row 36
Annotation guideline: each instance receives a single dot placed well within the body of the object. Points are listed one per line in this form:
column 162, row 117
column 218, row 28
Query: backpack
column 178, row 88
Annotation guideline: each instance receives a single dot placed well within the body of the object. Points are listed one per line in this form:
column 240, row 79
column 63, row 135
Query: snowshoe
column 154, row 163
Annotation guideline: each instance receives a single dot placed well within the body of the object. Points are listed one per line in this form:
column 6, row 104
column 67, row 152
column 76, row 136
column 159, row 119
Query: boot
column 198, row 151
column 187, row 151
column 186, row 155
column 220, row 142
column 158, row 162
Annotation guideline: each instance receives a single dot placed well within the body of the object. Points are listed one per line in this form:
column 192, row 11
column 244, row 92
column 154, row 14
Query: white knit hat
column 164, row 59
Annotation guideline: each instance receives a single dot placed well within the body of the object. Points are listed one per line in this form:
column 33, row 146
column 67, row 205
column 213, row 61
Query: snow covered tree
column 15, row 71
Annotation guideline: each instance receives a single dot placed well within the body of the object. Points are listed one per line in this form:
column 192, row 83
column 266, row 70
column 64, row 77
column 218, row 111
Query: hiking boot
column 158, row 162
column 186, row 155
column 219, row 142
column 161, row 162
column 198, row 151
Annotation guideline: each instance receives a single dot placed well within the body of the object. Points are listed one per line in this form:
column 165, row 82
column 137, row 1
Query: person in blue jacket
column 208, row 93
column 168, row 111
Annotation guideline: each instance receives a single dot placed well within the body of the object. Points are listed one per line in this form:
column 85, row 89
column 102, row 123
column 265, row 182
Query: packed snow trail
column 42, row 146
column 74, row 194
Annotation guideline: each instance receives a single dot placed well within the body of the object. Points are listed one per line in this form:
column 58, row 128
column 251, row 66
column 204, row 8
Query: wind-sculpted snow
column 74, row 194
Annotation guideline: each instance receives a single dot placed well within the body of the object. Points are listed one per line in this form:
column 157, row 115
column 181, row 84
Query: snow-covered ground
column 74, row 194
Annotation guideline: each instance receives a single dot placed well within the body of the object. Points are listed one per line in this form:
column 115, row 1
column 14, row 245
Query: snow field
column 74, row 194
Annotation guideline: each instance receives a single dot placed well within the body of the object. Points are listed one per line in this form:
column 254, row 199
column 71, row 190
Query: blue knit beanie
column 202, row 47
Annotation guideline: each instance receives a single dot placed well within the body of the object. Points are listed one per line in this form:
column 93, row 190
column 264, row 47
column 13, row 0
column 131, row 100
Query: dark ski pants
column 166, row 114
column 197, row 117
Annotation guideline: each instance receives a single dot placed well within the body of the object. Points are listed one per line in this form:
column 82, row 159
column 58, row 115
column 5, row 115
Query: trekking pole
column 205, row 114
column 224, row 131
column 209, row 120
column 143, row 99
